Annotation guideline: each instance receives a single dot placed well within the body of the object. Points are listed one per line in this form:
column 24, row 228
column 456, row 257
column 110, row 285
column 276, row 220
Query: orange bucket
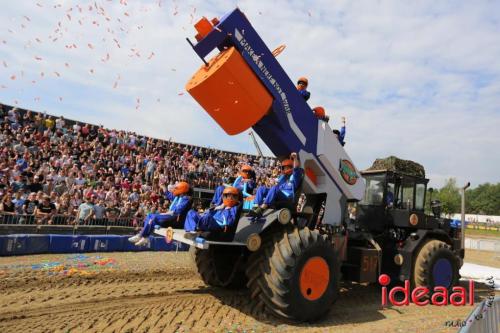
column 230, row 92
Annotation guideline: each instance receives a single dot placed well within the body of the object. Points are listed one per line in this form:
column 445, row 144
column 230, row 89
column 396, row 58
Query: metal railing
column 57, row 219
column 61, row 219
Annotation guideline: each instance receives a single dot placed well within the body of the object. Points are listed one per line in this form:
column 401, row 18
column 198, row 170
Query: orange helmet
column 287, row 167
column 245, row 171
column 319, row 112
column 303, row 80
column 180, row 188
column 230, row 196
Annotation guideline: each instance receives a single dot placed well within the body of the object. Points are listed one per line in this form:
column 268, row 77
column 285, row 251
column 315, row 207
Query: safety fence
column 58, row 219
column 21, row 244
column 61, row 219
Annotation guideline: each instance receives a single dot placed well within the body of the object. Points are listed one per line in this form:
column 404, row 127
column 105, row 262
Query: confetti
column 57, row 74
column 180, row 94
column 4, row 64
column 38, row 58
column 151, row 55
column 90, row 46
column 13, row 77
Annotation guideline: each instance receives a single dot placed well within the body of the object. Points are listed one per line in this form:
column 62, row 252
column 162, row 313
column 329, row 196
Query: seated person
column 302, row 83
column 245, row 182
column 389, row 200
column 219, row 218
column 180, row 202
column 288, row 183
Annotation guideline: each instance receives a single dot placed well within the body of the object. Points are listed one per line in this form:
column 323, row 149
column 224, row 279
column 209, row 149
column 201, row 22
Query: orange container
column 230, row 92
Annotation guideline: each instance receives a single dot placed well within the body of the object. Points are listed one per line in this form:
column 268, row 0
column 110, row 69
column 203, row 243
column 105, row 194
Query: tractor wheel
column 220, row 266
column 436, row 265
column 295, row 274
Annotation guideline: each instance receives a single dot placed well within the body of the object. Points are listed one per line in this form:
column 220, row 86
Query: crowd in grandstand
column 57, row 171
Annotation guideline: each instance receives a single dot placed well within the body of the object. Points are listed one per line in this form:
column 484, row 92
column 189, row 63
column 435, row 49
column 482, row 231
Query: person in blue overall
column 341, row 134
column 302, row 83
column 245, row 182
column 180, row 204
column 219, row 218
column 288, row 183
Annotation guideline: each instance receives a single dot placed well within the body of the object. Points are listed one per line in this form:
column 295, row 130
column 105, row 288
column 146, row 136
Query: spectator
column 99, row 211
column 19, row 202
column 7, row 208
column 45, row 211
column 85, row 211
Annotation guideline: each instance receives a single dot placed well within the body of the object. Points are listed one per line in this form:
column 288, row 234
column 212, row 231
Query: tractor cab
column 392, row 198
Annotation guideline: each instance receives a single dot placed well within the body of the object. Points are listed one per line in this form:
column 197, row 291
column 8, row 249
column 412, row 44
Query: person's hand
column 293, row 156
column 343, row 120
column 219, row 207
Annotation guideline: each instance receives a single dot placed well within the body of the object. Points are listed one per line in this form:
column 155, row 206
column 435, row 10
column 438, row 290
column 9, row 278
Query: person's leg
column 191, row 222
column 277, row 195
column 146, row 228
column 217, row 198
column 261, row 194
column 164, row 221
column 272, row 196
column 206, row 221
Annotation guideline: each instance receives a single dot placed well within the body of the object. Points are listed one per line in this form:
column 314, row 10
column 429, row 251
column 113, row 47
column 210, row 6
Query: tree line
column 483, row 199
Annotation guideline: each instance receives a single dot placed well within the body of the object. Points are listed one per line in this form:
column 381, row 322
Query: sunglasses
column 229, row 195
column 302, row 83
column 283, row 167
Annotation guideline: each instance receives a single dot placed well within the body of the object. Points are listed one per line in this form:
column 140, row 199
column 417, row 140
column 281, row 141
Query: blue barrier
column 106, row 243
column 19, row 244
column 69, row 244
column 24, row 244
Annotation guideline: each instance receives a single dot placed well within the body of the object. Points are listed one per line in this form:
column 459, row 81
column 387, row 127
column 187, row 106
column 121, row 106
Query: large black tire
column 220, row 266
column 436, row 265
column 275, row 274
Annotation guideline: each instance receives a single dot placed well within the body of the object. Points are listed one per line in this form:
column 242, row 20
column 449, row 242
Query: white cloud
column 420, row 81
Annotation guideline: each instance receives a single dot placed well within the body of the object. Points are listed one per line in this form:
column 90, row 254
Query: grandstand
column 49, row 166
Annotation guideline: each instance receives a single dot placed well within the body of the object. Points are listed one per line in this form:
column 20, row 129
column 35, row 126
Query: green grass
column 482, row 232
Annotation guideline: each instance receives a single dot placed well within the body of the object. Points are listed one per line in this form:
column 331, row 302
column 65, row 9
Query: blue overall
column 304, row 93
column 284, row 191
column 245, row 187
column 178, row 206
column 211, row 220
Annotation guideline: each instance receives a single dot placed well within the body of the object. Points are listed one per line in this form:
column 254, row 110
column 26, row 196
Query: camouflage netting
column 392, row 163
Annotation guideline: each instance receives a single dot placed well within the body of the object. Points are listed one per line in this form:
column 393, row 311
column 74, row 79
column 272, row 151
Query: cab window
column 419, row 196
column 406, row 196
column 374, row 191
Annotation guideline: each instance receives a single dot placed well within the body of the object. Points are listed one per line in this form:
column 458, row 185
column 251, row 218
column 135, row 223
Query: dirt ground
column 160, row 292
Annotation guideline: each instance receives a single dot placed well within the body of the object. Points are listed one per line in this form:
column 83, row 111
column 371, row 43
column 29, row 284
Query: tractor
column 294, row 256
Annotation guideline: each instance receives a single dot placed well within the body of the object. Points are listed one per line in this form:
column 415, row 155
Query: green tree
column 449, row 195
column 484, row 199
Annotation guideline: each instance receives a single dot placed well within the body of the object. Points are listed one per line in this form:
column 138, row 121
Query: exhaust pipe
column 462, row 230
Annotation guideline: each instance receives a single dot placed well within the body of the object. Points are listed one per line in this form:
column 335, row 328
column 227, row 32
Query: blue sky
column 417, row 80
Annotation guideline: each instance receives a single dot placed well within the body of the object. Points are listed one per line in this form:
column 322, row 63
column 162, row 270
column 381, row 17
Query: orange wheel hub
column 314, row 278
